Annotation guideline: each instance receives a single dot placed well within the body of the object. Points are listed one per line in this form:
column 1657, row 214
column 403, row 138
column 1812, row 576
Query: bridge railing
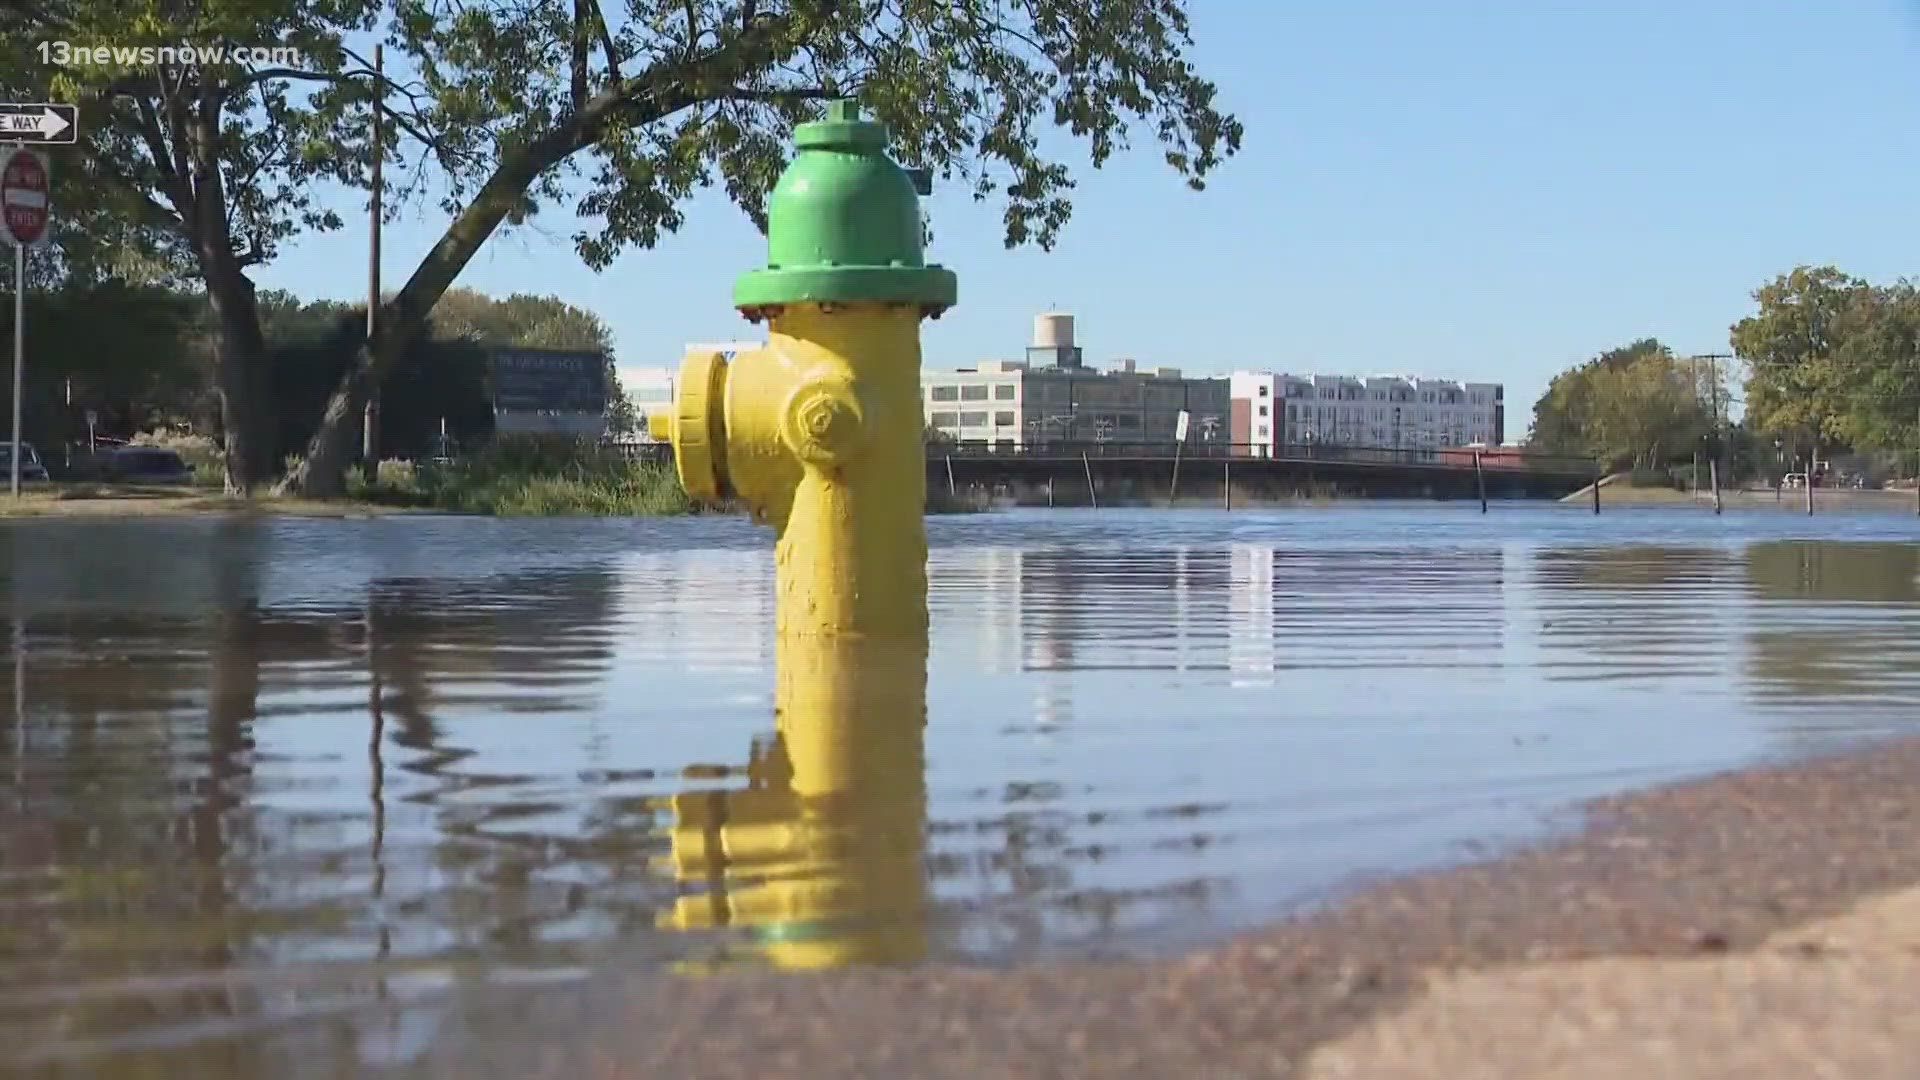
column 1461, row 457
column 1503, row 459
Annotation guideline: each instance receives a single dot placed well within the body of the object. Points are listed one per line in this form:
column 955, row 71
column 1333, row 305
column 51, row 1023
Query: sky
column 1490, row 191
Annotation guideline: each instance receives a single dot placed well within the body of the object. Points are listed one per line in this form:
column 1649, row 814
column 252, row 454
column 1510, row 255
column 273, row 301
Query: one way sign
column 41, row 123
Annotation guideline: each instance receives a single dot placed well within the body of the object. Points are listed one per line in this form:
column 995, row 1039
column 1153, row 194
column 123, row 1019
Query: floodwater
column 271, row 777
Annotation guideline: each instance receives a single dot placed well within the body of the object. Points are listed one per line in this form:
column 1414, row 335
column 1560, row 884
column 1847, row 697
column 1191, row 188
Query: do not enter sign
column 24, row 195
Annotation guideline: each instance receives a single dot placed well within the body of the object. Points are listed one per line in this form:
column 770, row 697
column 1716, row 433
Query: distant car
column 147, row 465
column 31, row 467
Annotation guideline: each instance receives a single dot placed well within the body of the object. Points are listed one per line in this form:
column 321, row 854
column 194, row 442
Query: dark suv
column 148, row 465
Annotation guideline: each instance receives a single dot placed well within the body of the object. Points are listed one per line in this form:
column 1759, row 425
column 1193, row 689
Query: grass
column 531, row 479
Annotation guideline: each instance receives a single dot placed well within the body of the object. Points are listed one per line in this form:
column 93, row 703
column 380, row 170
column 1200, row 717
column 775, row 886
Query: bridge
column 1108, row 473
column 1227, row 474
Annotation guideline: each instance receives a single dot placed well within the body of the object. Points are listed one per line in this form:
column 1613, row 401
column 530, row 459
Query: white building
column 1274, row 409
column 1053, row 397
column 650, row 389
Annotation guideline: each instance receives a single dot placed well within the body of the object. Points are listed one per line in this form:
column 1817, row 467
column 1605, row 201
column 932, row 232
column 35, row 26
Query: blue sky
column 1489, row 190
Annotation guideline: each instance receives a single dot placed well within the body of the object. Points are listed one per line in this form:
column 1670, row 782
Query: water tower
column 1053, row 342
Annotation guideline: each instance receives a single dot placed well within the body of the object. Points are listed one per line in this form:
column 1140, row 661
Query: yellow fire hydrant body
column 820, row 433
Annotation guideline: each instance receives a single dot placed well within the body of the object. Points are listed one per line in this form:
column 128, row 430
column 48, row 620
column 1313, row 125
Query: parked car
column 31, row 468
column 146, row 465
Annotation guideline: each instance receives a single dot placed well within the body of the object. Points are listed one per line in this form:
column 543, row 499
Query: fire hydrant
column 820, row 433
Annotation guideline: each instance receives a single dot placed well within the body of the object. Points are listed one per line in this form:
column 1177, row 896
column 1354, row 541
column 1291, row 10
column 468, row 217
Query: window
column 973, row 419
column 946, row 393
column 1263, row 410
column 945, row 419
column 974, row 392
column 1002, row 419
column 1003, row 392
column 1293, row 412
column 1263, row 389
column 1261, row 431
column 1130, row 420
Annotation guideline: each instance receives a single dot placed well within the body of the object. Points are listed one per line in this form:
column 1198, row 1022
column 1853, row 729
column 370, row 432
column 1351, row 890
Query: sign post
column 24, row 198
column 1179, row 441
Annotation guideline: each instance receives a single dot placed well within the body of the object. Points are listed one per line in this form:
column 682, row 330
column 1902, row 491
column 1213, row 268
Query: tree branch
column 154, row 214
column 173, row 179
column 606, row 41
column 582, row 42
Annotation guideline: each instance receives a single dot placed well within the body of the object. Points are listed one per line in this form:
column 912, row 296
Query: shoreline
column 1696, row 876
column 136, row 503
column 1850, row 500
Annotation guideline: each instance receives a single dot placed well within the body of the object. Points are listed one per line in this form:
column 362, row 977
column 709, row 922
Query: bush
column 1654, row 478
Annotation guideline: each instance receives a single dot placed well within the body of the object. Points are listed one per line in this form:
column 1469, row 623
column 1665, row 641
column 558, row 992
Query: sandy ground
column 124, row 501
column 1833, row 999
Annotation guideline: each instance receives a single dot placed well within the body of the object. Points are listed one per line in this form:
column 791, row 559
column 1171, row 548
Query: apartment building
column 1054, row 397
column 1274, row 409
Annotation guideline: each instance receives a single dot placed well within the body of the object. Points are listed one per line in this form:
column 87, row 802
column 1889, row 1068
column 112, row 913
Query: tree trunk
column 322, row 472
column 240, row 361
column 240, row 350
column 633, row 103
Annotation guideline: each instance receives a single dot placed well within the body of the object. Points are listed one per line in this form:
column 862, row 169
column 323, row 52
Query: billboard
column 549, row 380
column 549, row 391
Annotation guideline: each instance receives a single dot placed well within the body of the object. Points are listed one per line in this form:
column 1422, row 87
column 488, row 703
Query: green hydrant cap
column 843, row 224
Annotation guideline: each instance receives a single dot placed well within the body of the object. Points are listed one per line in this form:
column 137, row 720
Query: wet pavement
column 347, row 792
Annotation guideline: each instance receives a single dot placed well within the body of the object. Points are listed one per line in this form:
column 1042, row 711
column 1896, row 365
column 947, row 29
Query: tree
column 535, row 322
column 681, row 95
column 1634, row 405
column 1564, row 416
column 523, row 320
column 444, row 377
column 128, row 352
column 213, row 165
column 201, row 167
column 1795, row 382
column 1878, row 368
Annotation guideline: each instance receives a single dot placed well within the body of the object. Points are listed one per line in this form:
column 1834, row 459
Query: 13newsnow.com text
column 67, row 54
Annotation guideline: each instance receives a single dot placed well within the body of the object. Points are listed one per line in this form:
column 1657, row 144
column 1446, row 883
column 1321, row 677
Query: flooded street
column 263, row 781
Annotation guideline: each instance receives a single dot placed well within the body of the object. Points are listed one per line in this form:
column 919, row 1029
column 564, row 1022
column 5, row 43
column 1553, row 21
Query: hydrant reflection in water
column 821, row 856
column 819, row 434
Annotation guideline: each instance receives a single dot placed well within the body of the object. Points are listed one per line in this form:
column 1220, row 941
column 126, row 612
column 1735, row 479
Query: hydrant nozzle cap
column 843, row 224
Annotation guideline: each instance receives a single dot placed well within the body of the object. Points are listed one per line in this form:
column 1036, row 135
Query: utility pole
column 1713, row 397
column 370, row 421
